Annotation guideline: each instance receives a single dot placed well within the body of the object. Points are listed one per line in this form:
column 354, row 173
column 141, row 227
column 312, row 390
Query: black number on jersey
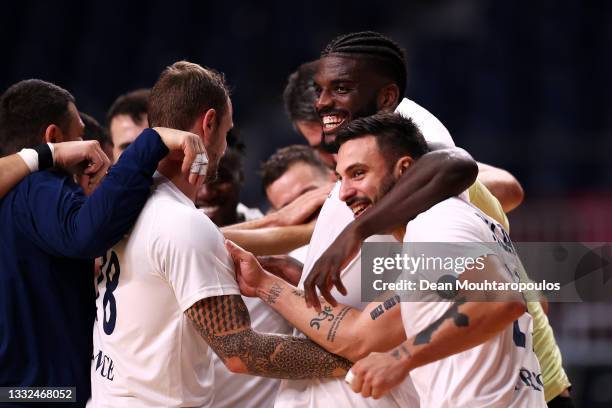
column 110, row 270
column 531, row 379
column 518, row 336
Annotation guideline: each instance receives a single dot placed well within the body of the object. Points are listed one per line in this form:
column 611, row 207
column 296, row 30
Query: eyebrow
column 351, row 167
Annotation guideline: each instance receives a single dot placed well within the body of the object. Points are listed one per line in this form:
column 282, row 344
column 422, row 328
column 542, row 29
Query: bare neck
column 171, row 169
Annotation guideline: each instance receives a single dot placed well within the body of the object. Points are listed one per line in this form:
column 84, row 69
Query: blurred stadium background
column 523, row 85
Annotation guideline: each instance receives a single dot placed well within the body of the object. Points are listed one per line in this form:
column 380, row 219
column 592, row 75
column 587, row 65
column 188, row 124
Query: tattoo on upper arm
column 386, row 305
column 460, row 320
column 224, row 322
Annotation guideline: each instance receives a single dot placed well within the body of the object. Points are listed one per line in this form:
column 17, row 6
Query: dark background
column 524, row 85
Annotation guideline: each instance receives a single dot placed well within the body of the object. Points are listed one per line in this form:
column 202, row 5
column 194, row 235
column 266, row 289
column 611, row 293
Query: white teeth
column 358, row 209
column 332, row 120
column 210, row 209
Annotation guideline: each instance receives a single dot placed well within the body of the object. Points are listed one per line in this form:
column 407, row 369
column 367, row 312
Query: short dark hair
column 299, row 95
column 94, row 131
column 389, row 57
column 134, row 103
column 183, row 91
column 395, row 135
column 280, row 161
column 27, row 108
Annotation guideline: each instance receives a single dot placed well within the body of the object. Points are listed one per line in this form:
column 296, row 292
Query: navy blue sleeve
column 55, row 214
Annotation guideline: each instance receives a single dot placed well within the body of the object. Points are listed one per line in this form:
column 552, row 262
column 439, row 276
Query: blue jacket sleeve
column 57, row 216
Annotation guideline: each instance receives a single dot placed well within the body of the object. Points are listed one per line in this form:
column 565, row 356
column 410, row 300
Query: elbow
column 357, row 348
column 460, row 172
column 512, row 310
column 352, row 352
column 514, row 195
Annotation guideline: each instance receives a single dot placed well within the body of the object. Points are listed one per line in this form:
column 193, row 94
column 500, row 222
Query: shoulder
column 180, row 224
column 432, row 129
column 47, row 187
column 451, row 220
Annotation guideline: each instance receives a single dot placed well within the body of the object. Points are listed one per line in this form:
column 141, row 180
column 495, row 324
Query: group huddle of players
column 201, row 301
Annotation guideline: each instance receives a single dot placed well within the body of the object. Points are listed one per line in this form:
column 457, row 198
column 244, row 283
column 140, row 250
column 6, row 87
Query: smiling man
column 360, row 74
column 459, row 353
column 167, row 291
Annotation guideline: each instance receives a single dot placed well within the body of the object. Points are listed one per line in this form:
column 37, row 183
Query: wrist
column 40, row 157
column 269, row 289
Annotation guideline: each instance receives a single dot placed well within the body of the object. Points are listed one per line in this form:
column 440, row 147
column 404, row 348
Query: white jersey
column 242, row 390
column 146, row 351
column 334, row 216
column 323, row 392
column 502, row 372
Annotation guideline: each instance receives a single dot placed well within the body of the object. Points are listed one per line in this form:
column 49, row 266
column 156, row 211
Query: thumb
column 235, row 251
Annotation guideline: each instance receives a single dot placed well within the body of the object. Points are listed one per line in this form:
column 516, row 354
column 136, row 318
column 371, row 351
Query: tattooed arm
column 224, row 323
column 341, row 329
column 464, row 325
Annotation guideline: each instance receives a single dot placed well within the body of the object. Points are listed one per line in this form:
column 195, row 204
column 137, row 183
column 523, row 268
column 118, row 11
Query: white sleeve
column 191, row 256
column 432, row 129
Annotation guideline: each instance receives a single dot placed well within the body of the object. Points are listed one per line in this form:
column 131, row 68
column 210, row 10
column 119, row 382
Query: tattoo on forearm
column 386, row 305
column 460, row 320
column 297, row 292
column 400, row 351
column 325, row 314
column 273, row 294
column 331, row 334
column 224, row 322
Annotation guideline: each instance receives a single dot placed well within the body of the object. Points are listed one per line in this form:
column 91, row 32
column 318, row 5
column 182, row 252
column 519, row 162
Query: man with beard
column 342, row 91
column 459, row 352
column 50, row 232
column 167, row 293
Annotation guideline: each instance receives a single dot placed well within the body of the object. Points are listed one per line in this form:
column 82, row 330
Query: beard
column 386, row 185
column 212, row 170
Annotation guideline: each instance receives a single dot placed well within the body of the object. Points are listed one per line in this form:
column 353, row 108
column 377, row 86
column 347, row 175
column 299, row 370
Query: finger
column 193, row 179
column 366, row 388
column 310, row 294
column 337, row 282
column 324, row 286
column 188, row 160
column 232, row 247
column 199, row 179
column 357, row 382
column 377, row 392
column 102, row 171
column 197, row 155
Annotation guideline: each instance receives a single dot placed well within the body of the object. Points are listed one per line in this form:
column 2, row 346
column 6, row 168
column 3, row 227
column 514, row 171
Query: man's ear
column 402, row 165
column 53, row 134
column 209, row 123
column 388, row 98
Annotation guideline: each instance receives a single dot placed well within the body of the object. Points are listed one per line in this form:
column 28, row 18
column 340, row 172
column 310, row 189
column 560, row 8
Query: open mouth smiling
column 332, row 122
column 359, row 208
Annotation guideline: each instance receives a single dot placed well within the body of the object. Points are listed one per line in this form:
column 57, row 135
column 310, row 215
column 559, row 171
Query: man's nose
column 323, row 101
column 346, row 191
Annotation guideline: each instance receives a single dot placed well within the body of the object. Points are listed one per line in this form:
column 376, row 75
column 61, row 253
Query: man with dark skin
column 360, row 74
